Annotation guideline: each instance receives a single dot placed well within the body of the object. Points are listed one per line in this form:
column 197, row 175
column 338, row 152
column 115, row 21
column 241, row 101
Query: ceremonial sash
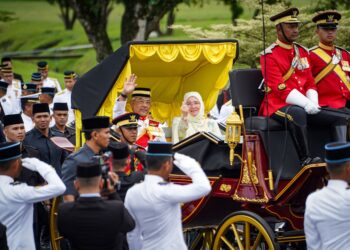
column 329, row 68
column 289, row 73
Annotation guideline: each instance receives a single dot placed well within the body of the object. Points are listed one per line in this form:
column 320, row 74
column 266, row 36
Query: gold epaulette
column 269, row 49
column 313, row 48
column 301, row 46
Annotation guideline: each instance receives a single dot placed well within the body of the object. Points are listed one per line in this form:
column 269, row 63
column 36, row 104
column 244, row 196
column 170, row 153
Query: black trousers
column 297, row 121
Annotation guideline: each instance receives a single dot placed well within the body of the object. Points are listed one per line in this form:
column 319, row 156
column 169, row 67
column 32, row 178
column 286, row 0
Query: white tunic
column 28, row 122
column 14, row 93
column 155, row 207
column 7, row 106
column 52, row 83
column 65, row 96
column 16, row 207
column 327, row 220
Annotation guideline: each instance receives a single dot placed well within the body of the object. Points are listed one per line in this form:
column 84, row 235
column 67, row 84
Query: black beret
column 337, row 152
column 156, row 148
column 60, row 106
column 10, row 151
column 95, row 122
column 41, row 108
column 88, row 170
column 119, row 150
column 12, row 119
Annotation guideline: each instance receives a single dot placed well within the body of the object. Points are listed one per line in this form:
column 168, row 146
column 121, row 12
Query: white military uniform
column 155, row 206
column 7, row 106
column 327, row 220
column 52, row 83
column 16, row 206
column 66, row 96
column 14, row 93
column 119, row 109
column 28, row 122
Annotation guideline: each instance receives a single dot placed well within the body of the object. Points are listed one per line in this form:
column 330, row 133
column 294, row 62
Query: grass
column 37, row 25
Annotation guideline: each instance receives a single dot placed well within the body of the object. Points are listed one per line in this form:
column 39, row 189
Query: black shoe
column 310, row 160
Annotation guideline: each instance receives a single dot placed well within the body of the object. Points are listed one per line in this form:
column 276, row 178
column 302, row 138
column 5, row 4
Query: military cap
column 126, row 120
column 156, row 148
column 144, row 92
column 41, row 108
column 95, row 122
column 12, row 119
column 337, row 152
column 288, row 16
column 119, row 150
column 69, row 74
column 62, row 106
column 29, row 87
column 5, row 59
column 327, row 19
column 6, row 70
column 10, row 151
column 42, row 65
column 48, row 90
column 29, row 98
column 36, row 76
column 88, row 170
column 3, row 85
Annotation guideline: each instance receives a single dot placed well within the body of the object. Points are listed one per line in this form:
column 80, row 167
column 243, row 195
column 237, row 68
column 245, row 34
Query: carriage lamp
column 233, row 133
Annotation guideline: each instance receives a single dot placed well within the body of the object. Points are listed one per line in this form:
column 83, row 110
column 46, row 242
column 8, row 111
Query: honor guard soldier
column 27, row 103
column 6, row 61
column 16, row 199
column 149, row 129
column 37, row 80
column 126, row 125
column 330, row 64
column 121, row 162
column 60, row 116
column 96, row 130
column 291, row 95
column 14, row 90
column 70, row 78
column 28, row 89
column 155, row 203
column 91, row 222
column 6, row 107
column 327, row 221
column 43, row 68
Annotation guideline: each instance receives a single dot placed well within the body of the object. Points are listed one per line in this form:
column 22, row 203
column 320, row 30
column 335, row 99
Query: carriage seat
column 261, row 123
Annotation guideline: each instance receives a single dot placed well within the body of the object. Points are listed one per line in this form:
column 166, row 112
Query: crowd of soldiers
column 298, row 82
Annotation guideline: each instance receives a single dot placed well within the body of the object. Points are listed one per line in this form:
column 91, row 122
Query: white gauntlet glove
column 297, row 98
column 186, row 164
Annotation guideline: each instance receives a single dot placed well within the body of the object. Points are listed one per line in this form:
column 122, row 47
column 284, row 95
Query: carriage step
column 291, row 236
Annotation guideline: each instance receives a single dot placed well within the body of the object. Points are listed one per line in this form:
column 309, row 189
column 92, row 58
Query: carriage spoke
column 257, row 241
column 227, row 242
column 234, row 229
column 247, row 236
column 196, row 241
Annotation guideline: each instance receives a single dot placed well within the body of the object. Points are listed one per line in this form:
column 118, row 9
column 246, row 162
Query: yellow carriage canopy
column 169, row 68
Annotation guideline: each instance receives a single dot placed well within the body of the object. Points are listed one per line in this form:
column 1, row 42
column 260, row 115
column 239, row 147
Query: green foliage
column 6, row 16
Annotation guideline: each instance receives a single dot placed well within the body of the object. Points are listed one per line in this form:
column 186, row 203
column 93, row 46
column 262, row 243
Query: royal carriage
column 258, row 186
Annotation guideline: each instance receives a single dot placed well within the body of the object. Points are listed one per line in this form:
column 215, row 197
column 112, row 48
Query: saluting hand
column 129, row 84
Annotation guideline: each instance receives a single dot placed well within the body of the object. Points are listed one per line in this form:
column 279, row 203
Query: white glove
column 312, row 95
column 297, row 98
column 186, row 164
column 35, row 164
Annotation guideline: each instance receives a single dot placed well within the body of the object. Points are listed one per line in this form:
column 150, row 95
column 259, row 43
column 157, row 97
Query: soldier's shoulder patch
column 313, row 48
column 301, row 46
column 268, row 50
column 282, row 86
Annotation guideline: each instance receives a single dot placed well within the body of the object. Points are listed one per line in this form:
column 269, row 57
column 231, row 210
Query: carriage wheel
column 244, row 230
column 54, row 234
column 199, row 238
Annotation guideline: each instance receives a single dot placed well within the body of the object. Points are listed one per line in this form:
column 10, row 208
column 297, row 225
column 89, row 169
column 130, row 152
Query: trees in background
column 67, row 13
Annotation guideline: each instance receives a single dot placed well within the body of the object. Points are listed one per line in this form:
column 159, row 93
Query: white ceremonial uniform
column 119, row 109
column 7, row 106
column 155, row 207
column 28, row 122
column 327, row 220
column 65, row 96
column 14, row 93
column 52, row 83
column 16, row 206
column 52, row 122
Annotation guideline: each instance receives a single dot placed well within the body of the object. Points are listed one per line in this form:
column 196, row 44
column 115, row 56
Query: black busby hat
column 144, row 92
column 327, row 19
column 126, row 120
column 288, row 16
column 42, row 65
column 29, row 87
column 156, row 148
column 88, row 170
column 95, row 122
column 41, row 108
column 337, row 152
column 48, row 90
column 12, row 119
column 10, row 151
column 119, row 150
column 3, row 85
column 69, row 74
column 62, row 106
column 36, row 76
